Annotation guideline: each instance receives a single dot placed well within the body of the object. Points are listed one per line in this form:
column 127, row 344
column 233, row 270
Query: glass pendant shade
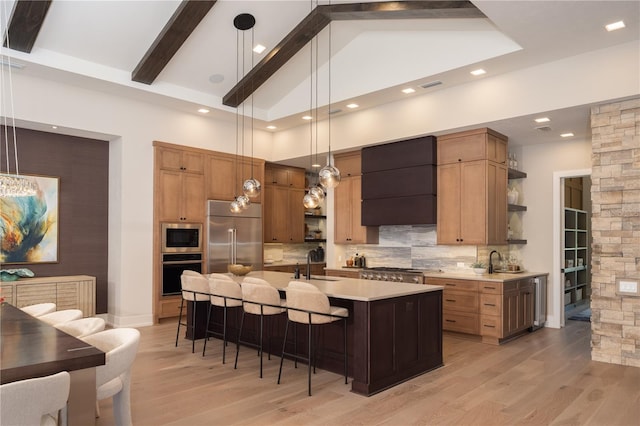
column 244, row 201
column 251, row 188
column 329, row 176
column 310, row 201
column 317, row 192
column 234, row 207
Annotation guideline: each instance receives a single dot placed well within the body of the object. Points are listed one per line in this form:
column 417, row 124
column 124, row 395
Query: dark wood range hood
column 399, row 183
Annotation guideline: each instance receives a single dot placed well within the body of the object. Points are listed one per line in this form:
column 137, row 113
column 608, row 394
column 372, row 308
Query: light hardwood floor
column 545, row 377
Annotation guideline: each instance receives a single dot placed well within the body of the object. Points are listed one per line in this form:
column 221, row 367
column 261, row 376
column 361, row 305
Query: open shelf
column 575, row 269
column 516, row 174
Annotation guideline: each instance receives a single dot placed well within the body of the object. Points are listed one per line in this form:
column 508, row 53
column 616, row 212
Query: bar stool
column 195, row 288
column 39, row 309
column 59, row 317
column 225, row 293
column 308, row 305
column 258, row 298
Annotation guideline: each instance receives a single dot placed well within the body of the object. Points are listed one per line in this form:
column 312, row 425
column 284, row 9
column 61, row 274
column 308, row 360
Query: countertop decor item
column 15, row 274
column 238, row 269
column 479, row 268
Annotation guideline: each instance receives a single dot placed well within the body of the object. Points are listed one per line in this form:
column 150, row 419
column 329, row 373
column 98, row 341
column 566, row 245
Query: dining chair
column 82, row 327
column 39, row 401
column 262, row 299
column 39, row 309
column 226, row 294
column 308, row 305
column 59, row 317
column 195, row 288
column 113, row 379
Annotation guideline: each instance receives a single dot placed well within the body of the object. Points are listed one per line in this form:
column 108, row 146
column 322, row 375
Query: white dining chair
column 82, row 327
column 113, row 379
column 34, row 402
column 39, row 309
column 59, row 317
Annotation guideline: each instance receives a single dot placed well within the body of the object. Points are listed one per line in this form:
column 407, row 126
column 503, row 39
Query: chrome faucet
column 491, row 261
column 307, row 273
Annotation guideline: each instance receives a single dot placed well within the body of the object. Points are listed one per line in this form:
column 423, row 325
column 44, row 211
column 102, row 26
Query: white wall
column 541, row 162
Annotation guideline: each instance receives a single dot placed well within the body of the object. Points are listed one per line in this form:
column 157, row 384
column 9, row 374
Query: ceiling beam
column 176, row 31
column 322, row 15
column 26, row 20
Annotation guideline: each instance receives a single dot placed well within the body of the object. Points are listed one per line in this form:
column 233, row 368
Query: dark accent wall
column 83, row 168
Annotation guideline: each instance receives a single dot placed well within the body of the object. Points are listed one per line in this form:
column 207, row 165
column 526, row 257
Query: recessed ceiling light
column 271, row 127
column 54, row 127
column 353, row 106
column 408, row 90
column 566, row 135
column 615, row 26
column 307, row 117
column 542, row 120
column 203, row 111
column 316, row 165
column 259, row 48
column 478, row 72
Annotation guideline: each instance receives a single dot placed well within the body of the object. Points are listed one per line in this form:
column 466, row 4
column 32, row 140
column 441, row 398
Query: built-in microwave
column 181, row 238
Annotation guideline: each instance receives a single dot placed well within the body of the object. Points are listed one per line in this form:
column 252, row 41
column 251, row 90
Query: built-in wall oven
column 181, row 250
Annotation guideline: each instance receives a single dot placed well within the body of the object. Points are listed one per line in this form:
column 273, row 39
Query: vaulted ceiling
column 190, row 54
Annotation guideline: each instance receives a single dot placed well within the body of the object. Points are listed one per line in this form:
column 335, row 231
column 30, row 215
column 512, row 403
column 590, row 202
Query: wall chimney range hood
column 399, row 183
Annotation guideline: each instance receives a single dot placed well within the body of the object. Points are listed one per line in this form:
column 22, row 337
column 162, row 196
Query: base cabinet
column 67, row 292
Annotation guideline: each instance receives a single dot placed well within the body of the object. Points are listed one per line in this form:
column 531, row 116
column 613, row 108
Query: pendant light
column 251, row 187
column 315, row 194
column 12, row 183
column 329, row 175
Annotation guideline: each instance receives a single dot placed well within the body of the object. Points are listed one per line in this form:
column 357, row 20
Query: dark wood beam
column 177, row 30
column 26, row 20
column 322, row 15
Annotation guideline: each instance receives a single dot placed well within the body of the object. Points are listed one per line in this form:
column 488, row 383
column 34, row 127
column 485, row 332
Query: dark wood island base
column 389, row 339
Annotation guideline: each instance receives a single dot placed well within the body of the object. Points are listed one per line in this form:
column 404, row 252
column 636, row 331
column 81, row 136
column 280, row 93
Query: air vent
column 431, row 84
column 543, row 128
column 335, row 111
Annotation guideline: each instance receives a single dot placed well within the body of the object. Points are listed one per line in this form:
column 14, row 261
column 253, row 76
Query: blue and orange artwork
column 29, row 225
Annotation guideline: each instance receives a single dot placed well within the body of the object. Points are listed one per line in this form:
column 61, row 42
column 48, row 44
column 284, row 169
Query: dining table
column 32, row 348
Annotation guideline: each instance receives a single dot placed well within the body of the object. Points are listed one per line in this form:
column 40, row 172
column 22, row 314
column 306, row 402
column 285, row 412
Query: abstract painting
column 29, row 225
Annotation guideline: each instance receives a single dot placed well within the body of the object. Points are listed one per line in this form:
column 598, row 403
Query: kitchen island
column 394, row 330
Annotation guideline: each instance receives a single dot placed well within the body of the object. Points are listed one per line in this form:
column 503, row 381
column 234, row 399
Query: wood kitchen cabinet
column 472, row 192
column 283, row 208
column 348, row 204
column 276, row 174
column 179, row 186
column 226, row 173
column 497, row 311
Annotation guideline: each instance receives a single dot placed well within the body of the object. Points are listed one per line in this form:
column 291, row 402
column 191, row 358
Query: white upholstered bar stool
column 308, row 305
column 262, row 299
column 39, row 309
column 40, row 401
column 195, row 288
column 59, row 317
column 225, row 293
column 113, row 379
column 82, row 327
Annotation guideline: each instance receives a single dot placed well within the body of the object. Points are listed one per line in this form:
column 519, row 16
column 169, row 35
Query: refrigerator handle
column 232, row 245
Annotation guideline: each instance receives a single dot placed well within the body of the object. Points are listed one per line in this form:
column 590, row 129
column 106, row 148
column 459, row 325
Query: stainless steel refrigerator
column 233, row 237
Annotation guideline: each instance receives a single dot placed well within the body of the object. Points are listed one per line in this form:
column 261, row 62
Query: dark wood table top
column 32, row 348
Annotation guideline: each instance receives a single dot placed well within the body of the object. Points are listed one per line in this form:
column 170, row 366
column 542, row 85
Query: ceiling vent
column 431, row 84
column 334, row 111
column 543, row 128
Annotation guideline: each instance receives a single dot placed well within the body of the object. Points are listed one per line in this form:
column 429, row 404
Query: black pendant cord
column 252, row 44
column 235, row 174
column 329, row 100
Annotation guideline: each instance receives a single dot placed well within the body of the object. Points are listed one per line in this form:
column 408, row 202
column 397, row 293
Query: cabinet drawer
column 460, row 301
column 170, row 308
column 490, row 288
column 490, row 326
column 462, row 323
column 452, row 284
column 490, row 304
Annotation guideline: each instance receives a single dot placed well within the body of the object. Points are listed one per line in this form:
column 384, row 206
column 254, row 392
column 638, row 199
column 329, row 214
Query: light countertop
column 496, row 277
column 347, row 288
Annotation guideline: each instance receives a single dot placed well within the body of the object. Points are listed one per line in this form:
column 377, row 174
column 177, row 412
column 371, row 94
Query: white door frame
column 557, row 284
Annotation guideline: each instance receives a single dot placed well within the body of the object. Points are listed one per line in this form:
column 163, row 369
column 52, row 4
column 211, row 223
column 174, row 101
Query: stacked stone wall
column 615, row 225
